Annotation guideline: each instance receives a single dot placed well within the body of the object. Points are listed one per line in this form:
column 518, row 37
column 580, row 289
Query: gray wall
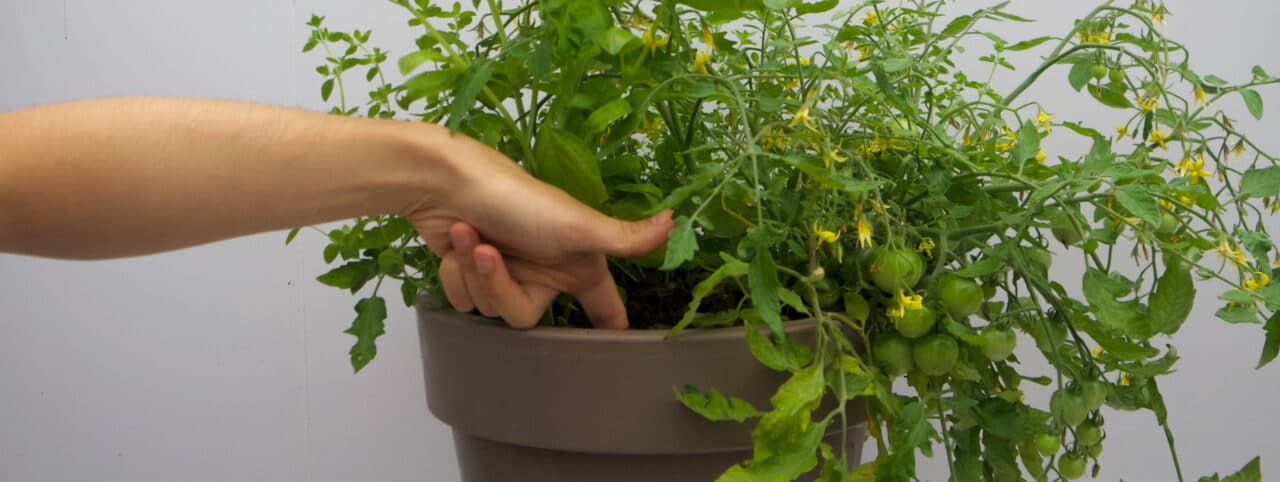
column 227, row 362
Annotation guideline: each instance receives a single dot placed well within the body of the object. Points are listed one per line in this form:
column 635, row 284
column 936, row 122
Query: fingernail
column 662, row 218
column 484, row 264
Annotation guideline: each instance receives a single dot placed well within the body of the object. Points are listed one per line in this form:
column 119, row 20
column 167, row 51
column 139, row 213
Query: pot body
column 566, row 405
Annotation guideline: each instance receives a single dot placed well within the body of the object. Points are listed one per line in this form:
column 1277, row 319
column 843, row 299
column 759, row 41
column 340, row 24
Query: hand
column 509, row 244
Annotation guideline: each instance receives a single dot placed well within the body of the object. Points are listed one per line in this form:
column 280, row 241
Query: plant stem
column 1168, row 435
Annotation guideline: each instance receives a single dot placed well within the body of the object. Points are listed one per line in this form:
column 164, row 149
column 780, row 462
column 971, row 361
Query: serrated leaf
column 981, row 268
column 615, row 40
column 1028, row 144
column 1112, row 95
column 790, row 298
column 1271, row 347
column 412, row 61
column 1009, row 420
column 472, row 82
column 1251, row 472
column 1027, row 44
column 732, row 268
column 714, row 406
column 1253, row 100
column 682, row 243
column 1171, row 303
column 351, row 276
column 1240, row 314
column 1263, row 182
column 1080, row 75
column 763, row 281
column 565, row 161
column 1140, row 202
column 607, row 114
column 367, row 327
column 427, row 84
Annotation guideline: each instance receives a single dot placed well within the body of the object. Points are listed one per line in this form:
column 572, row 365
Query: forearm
column 125, row 177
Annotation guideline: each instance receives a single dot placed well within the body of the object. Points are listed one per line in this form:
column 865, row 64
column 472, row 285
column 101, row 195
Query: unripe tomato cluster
column 918, row 340
column 1076, row 407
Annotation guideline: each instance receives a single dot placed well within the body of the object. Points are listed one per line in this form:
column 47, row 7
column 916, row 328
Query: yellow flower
column 650, row 39
column 1124, row 379
column 864, row 233
column 805, row 62
column 1096, row 351
column 1257, row 282
column 1238, row 257
column 1158, row 138
column 1187, row 201
column 1148, row 104
column 825, row 236
column 1040, row 157
column 802, row 117
column 1224, row 249
column 708, row 38
column 910, row 302
column 1045, row 121
column 926, row 246
column 793, row 83
column 864, row 52
column 1122, row 131
column 700, row 61
column 832, row 155
column 1238, row 150
column 895, row 312
column 1200, row 96
column 1158, row 13
column 649, row 127
column 1194, row 170
column 872, row 18
column 1165, row 205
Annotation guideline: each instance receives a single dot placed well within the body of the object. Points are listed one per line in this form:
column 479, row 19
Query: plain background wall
column 227, row 362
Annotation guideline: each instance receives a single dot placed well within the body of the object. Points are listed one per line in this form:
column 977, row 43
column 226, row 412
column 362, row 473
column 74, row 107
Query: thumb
column 630, row 239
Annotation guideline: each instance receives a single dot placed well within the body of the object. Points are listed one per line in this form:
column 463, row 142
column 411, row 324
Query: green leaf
column 391, row 261
column 1263, row 182
column 1012, row 421
column 1102, row 290
column 1080, row 75
column 1028, row 44
column 981, row 268
column 607, row 114
column 565, row 161
column 776, row 4
column 1140, row 202
column 1239, row 315
column 1253, row 100
column 897, row 64
column 817, row 7
column 769, row 354
column 293, row 233
column 1271, row 347
column 790, row 298
column 1112, row 95
column 682, row 243
column 367, row 327
column 352, row 276
column 714, row 406
column 1252, row 472
column 763, row 280
column 1028, row 144
column 831, row 179
column 326, row 89
column 615, row 40
column 909, row 431
column 473, row 81
column 732, row 268
column 1171, row 303
column 411, row 62
column 427, row 84
column 409, row 292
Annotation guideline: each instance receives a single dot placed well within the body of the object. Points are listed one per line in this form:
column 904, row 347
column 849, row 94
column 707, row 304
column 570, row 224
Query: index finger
column 601, row 300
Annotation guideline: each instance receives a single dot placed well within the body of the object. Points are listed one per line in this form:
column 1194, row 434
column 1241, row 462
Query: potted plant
column 833, row 164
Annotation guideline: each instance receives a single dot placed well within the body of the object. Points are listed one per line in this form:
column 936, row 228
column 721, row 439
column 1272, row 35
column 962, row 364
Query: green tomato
column 1071, row 466
column 895, row 269
column 1047, row 444
column 1088, row 434
column 959, row 297
column 1068, row 407
column 936, row 355
column 1094, row 393
column 1169, row 224
column 1116, row 76
column 998, row 343
column 893, row 353
column 916, row 323
column 1094, row 450
column 903, row 127
column 1098, row 71
column 828, row 293
column 1042, row 257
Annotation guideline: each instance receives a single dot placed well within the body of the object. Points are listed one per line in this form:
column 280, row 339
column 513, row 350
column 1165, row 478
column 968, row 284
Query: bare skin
column 126, row 177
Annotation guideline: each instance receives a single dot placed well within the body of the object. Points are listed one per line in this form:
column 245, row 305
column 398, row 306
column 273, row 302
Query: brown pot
column 567, row 405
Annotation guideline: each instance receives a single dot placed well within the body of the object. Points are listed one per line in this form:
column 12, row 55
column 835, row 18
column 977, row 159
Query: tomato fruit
column 998, row 343
column 895, row 269
column 1094, row 450
column 1047, row 444
column 1098, row 71
column 1169, row 224
column 893, row 353
column 1068, row 407
column 1088, row 434
column 959, row 297
column 828, row 293
column 1042, row 257
column 1095, row 394
column 1071, row 466
column 1116, row 76
column 936, row 355
column 916, row 323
